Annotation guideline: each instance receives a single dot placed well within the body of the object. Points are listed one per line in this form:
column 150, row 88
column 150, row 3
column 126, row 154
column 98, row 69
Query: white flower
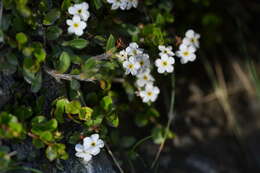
column 143, row 60
column 165, row 64
column 191, row 38
column 131, row 66
column 122, row 55
column 93, row 144
column 150, row 93
column 186, row 53
column 122, row 4
column 76, row 25
column 144, row 78
column 82, row 153
column 166, row 50
column 81, row 10
column 133, row 49
column 131, row 3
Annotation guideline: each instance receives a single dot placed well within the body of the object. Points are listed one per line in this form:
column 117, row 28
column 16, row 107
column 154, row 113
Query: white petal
column 85, row 5
column 79, row 148
column 76, row 18
column 72, row 10
column 171, row 60
column 82, row 25
column 69, row 22
column 169, row 69
column 95, row 137
column 158, row 62
column 87, row 157
column 71, row 30
column 80, row 154
column 189, row 33
column 87, row 142
column 79, row 32
column 94, row 150
column 115, row 6
column 160, row 70
column 183, row 47
column 165, row 57
column 100, row 143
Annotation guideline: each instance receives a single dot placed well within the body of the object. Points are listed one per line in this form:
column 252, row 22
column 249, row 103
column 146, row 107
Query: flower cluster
column 137, row 63
column 187, row 49
column 123, row 4
column 165, row 63
column 80, row 15
column 91, row 147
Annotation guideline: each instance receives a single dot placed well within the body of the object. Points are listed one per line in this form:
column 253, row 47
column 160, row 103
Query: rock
column 6, row 83
column 200, row 164
column 30, row 157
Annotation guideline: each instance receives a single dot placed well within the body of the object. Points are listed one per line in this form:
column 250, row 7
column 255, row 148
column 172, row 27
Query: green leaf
column 98, row 4
column 23, row 112
column 79, row 43
column 64, row 63
column 21, row 38
column 37, row 143
column 36, row 82
column 53, row 32
column 51, row 17
column 51, row 152
column 90, row 63
column 65, row 5
column 46, row 136
column 106, row 103
column 112, row 119
column 39, row 54
column 73, row 107
column 85, row 113
column 40, row 124
column 60, row 109
column 110, row 43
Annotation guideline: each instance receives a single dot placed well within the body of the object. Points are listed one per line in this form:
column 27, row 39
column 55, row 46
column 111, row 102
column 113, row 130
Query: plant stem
column 170, row 118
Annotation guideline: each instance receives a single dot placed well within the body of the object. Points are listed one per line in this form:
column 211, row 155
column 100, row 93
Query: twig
column 58, row 76
column 170, row 118
column 102, row 56
column 114, row 159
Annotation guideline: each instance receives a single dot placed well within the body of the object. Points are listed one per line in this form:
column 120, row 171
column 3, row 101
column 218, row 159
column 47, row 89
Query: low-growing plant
column 111, row 64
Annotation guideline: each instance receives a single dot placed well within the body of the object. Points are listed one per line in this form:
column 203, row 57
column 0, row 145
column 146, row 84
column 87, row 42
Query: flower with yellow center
column 80, row 10
column 191, row 38
column 76, row 26
column 150, row 93
column 144, row 78
column 165, row 50
column 131, row 66
column 186, row 53
column 165, row 64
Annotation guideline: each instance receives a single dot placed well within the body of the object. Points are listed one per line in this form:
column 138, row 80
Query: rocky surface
column 6, row 83
column 28, row 156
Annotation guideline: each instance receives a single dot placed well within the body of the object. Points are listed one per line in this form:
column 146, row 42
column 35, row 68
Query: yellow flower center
column 145, row 77
column 141, row 63
column 79, row 11
column 130, row 66
column 186, row 53
column 164, row 63
column 76, row 25
column 93, row 144
column 149, row 93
